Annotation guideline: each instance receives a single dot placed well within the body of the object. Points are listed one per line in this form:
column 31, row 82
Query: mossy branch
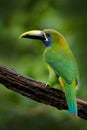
column 38, row 91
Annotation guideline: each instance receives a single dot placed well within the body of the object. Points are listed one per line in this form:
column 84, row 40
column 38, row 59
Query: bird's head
column 46, row 35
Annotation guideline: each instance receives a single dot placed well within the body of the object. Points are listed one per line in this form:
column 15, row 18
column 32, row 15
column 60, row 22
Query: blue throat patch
column 48, row 43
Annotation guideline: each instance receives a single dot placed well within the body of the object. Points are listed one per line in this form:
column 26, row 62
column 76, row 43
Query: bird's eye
column 48, row 34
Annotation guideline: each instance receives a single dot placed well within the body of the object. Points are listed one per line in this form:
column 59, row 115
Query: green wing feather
column 63, row 63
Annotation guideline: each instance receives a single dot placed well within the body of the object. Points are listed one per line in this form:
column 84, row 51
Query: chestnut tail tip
column 74, row 115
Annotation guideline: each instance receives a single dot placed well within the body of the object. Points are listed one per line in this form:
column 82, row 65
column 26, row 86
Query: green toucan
column 60, row 62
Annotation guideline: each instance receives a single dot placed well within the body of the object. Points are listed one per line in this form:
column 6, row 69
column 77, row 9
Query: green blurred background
column 69, row 17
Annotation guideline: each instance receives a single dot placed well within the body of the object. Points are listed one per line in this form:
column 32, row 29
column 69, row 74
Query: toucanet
column 61, row 64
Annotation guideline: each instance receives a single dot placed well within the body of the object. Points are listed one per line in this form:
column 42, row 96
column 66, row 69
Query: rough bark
column 38, row 91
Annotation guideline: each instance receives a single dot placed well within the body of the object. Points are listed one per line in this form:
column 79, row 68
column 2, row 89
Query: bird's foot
column 47, row 85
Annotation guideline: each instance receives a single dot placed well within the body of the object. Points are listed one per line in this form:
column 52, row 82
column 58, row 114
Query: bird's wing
column 63, row 64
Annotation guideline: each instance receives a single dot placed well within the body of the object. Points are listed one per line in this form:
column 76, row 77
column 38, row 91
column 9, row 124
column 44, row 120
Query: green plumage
column 60, row 58
column 60, row 62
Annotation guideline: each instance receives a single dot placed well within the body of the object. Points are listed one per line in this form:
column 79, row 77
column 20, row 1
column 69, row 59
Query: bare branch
column 38, row 91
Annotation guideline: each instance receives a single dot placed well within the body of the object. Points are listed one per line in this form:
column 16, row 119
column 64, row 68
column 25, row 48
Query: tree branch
column 38, row 91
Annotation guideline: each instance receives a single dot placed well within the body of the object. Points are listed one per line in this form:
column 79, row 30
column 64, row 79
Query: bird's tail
column 70, row 93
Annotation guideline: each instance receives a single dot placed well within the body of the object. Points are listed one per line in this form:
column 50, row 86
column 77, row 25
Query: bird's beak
column 34, row 34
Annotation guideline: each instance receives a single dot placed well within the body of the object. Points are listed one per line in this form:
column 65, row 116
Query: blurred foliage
column 68, row 17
